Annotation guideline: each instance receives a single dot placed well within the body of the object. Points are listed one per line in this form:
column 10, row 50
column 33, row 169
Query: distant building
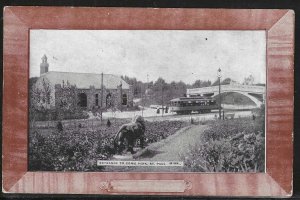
column 57, row 89
column 249, row 80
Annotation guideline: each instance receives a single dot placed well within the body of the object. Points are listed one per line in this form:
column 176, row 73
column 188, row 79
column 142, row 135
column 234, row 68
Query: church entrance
column 82, row 100
column 124, row 99
column 108, row 100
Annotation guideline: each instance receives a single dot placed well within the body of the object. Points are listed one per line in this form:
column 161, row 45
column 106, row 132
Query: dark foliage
column 58, row 114
column 78, row 149
column 161, row 92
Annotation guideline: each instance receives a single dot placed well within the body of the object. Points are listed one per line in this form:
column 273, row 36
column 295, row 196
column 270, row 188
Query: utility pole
column 101, row 102
column 142, row 100
column 121, row 96
column 162, row 99
column 220, row 100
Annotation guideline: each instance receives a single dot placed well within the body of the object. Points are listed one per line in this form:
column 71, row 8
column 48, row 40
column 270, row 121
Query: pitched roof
column 85, row 80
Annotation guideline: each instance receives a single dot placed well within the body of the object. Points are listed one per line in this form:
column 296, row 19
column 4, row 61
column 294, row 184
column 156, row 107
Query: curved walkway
column 169, row 149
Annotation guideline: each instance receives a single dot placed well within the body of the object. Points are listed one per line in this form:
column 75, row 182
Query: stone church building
column 61, row 89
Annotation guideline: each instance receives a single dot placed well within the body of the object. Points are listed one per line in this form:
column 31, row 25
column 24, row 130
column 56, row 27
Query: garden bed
column 79, row 148
column 236, row 145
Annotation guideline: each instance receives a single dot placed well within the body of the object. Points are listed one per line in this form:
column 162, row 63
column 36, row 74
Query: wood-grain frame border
column 279, row 26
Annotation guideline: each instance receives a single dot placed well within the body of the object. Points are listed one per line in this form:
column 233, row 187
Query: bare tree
column 39, row 99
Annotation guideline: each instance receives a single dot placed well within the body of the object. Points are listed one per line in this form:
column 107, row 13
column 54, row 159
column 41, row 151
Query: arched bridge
column 253, row 92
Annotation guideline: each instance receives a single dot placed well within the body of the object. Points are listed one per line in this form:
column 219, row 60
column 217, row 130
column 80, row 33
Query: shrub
column 58, row 114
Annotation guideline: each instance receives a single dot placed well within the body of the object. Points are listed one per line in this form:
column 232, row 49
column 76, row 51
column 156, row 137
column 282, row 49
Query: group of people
column 164, row 110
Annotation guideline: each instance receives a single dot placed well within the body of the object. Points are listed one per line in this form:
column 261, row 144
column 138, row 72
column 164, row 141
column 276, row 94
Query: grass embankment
column 229, row 146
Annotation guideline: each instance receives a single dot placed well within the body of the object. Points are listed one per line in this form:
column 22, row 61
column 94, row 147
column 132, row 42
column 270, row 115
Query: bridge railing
column 240, row 88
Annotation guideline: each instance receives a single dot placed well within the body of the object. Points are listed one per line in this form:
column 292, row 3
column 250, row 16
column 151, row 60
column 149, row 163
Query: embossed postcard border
column 279, row 25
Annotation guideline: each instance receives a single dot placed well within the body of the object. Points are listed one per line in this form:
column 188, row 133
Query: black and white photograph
column 147, row 100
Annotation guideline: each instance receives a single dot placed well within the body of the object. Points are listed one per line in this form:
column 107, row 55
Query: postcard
column 154, row 104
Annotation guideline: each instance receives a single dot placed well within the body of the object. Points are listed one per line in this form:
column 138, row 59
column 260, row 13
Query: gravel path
column 169, row 149
column 178, row 144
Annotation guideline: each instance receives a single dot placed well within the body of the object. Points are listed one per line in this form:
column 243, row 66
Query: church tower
column 44, row 66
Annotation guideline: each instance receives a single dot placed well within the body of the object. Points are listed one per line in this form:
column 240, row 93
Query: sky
column 174, row 55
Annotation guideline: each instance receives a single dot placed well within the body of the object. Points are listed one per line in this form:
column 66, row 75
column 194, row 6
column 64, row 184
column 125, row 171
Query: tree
column 39, row 98
column 200, row 84
column 40, row 95
column 32, row 82
column 248, row 80
column 67, row 100
column 159, row 83
column 137, row 85
column 226, row 81
column 34, row 99
column 215, row 83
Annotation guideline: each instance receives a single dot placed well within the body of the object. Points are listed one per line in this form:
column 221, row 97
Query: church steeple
column 44, row 66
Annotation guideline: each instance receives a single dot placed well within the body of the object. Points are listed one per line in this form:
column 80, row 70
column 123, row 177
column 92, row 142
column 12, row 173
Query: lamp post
column 219, row 77
column 101, row 102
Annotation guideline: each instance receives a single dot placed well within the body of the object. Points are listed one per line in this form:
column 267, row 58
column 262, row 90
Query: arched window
column 96, row 99
column 82, row 100
column 124, row 99
column 108, row 100
column 48, row 97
